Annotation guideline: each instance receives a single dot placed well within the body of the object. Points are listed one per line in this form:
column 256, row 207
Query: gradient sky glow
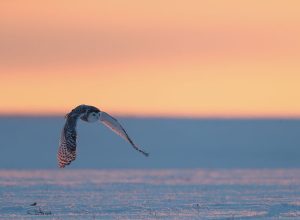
column 225, row 58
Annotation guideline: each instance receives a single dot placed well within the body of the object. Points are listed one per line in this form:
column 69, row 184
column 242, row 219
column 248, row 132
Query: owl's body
column 67, row 145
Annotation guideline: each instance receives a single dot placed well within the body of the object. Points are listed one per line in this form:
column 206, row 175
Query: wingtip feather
column 145, row 153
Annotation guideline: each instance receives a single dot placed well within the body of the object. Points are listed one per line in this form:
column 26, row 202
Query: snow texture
column 150, row 194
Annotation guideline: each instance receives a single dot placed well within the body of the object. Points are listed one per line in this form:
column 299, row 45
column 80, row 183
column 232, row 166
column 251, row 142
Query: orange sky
column 225, row 58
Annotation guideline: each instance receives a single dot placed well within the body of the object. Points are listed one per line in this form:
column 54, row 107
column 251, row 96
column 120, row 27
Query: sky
column 225, row 58
column 172, row 143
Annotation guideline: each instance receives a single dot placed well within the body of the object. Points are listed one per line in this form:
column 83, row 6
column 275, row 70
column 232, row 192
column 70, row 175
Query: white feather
column 116, row 127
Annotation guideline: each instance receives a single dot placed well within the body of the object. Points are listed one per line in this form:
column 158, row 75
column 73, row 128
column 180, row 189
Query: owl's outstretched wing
column 116, row 127
column 67, row 146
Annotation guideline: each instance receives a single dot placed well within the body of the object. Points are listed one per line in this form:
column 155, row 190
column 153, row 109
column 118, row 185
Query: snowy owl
column 67, row 145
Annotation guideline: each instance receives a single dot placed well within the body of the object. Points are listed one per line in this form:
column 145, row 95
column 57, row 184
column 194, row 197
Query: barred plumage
column 67, row 146
column 65, row 156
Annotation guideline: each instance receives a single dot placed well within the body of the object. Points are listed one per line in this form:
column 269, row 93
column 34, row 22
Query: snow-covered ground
column 150, row 194
column 110, row 186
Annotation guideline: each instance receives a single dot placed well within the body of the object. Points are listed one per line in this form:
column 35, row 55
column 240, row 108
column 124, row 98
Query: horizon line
column 163, row 116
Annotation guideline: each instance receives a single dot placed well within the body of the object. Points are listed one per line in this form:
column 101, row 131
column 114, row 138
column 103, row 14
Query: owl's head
column 92, row 114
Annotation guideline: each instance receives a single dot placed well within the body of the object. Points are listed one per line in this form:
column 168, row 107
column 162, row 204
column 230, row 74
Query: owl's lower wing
column 67, row 148
column 116, row 127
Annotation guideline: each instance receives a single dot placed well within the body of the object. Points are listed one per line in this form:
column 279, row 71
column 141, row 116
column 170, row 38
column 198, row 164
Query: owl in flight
column 67, row 145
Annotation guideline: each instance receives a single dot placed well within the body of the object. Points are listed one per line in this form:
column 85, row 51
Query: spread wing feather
column 67, row 146
column 116, row 127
